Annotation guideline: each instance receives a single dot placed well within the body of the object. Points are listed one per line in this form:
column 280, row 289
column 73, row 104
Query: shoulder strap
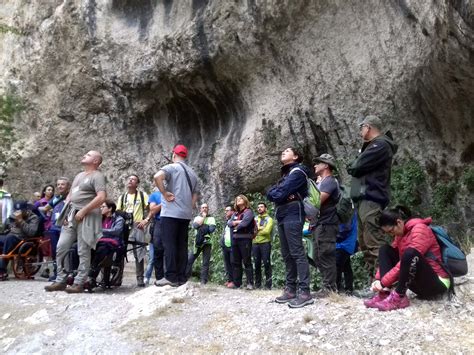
column 187, row 177
column 143, row 203
column 298, row 169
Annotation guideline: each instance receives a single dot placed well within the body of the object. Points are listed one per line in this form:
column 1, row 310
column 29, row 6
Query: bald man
column 82, row 222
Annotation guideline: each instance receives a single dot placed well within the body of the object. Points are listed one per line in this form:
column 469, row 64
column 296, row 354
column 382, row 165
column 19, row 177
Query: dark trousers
column 294, row 256
column 54, row 238
column 325, row 254
column 158, row 251
column 174, row 234
column 242, row 253
column 228, row 259
column 7, row 244
column 415, row 273
column 206, row 260
column 261, row 253
column 343, row 266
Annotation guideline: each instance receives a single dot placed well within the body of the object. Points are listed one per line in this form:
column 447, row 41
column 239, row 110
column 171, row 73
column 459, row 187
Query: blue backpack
column 453, row 259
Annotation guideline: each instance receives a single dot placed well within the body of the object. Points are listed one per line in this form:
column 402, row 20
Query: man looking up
column 135, row 202
column 370, row 186
column 205, row 225
column 262, row 247
column 82, row 222
column 178, row 199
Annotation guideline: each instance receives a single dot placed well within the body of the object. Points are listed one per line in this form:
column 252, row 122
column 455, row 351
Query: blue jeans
column 149, row 265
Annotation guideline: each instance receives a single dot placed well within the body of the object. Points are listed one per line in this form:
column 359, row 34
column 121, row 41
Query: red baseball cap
column 180, row 150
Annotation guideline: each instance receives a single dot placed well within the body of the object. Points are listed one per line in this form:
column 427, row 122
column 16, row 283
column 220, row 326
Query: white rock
column 6, row 316
column 305, row 338
column 429, row 338
column 384, row 342
column 322, row 332
column 49, row 333
column 38, row 317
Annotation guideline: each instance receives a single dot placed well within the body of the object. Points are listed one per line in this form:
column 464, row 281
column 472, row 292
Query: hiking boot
column 75, row 289
column 393, row 301
column 303, row 299
column 55, row 286
column 3, row 276
column 45, row 274
column 286, row 296
column 379, row 297
column 165, row 282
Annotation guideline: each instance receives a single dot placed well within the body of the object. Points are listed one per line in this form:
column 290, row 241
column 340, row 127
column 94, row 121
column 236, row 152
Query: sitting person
column 405, row 262
column 22, row 224
column 112, row 236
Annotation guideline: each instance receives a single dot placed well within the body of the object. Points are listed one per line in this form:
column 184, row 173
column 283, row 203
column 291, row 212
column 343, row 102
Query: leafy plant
column 406, row 184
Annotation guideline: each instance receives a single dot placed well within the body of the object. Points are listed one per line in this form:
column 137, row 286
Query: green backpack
column 312, row 202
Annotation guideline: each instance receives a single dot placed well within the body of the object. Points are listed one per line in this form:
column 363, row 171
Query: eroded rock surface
column 235, row 81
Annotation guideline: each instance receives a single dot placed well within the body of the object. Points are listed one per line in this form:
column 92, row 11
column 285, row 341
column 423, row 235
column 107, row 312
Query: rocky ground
column 213, row 319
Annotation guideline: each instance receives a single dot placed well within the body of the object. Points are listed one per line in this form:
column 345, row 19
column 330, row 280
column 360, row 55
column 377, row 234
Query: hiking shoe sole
column 302, row 304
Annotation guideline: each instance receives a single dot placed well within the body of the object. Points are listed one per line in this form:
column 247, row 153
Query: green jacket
column 265, row 226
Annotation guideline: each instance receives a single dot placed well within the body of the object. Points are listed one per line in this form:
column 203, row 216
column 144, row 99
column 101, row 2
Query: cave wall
column 236, row 81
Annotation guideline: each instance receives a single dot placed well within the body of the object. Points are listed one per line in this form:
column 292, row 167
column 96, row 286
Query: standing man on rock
column 135, row 202
column 178, row 200
column 262, row 246
column 370, row 187
column 82, row 222
column 204, row 226
column 325, row 233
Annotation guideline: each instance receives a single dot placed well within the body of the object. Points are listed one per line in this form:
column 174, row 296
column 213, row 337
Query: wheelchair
column 107, row 265
column 27, row 257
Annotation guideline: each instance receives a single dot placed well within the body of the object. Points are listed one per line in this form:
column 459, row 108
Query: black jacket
column 371, row 171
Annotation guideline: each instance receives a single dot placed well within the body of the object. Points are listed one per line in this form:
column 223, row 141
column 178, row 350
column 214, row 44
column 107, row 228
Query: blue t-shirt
column 155, row 197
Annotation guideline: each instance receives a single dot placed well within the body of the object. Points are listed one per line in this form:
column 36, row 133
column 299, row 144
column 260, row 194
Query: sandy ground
column 213, row 319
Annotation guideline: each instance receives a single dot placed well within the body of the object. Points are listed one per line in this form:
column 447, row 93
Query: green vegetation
column 468, row 178
column 9, row 106
column 407, row 184
column 9, row 29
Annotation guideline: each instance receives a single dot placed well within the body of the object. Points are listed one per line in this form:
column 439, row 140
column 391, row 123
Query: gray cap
column 327, row 159
column 373, row 121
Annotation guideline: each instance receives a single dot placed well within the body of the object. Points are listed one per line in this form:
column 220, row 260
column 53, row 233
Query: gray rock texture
column 236, row 81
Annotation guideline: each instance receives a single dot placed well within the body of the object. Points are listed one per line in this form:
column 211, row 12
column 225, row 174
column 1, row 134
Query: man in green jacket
column 262, row 246
column 205, row 225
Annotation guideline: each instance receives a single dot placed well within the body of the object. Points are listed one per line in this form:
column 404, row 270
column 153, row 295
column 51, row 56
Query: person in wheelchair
column 22, row 224
column 111, row 243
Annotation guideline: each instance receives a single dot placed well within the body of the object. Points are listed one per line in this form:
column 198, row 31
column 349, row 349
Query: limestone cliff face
column 236, row 81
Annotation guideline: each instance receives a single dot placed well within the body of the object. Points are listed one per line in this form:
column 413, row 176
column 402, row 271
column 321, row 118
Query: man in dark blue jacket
column 370, row 187
column 288, row 195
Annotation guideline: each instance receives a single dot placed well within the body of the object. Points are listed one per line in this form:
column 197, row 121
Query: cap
column 327, row 159
column 180, row 150
column 372, row 120
column 20, row 205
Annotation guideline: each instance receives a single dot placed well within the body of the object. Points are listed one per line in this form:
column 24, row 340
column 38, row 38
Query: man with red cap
column 178, row 199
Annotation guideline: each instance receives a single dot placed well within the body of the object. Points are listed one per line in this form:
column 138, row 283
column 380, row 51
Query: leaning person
column 287, row 195
column 405, row 264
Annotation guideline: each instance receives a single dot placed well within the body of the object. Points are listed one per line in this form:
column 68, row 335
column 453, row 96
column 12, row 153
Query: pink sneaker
column 379, row 297
column 392, row 302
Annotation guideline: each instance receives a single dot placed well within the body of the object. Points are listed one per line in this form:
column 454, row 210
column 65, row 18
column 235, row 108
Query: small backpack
column 344, row 206
column 453, row 259
column 312, row 202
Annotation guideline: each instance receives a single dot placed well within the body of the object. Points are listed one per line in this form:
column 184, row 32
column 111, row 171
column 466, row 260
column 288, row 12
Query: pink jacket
column 417, row 235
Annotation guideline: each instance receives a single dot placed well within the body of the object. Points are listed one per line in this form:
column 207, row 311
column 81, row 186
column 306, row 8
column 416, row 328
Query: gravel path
column 212, row 319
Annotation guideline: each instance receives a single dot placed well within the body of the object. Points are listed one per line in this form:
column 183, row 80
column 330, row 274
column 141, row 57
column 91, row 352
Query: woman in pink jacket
column 405, row 262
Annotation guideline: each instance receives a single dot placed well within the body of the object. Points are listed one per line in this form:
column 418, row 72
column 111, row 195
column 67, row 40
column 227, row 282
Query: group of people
column 77, row 218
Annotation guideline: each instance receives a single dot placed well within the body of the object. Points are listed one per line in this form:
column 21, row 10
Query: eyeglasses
column 228, row 210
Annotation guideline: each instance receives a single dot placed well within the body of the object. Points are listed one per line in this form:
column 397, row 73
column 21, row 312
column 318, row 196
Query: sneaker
column 147, row 281
column 231, row 285
column 52, row 278
column 45, row 274
column 75, row 289
column 165, row 282
column 3, row 276
column 379, row 297
column 392, row 302
column 55, row 286
column 303, row 299
column 250, row 287
column 286, row 296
